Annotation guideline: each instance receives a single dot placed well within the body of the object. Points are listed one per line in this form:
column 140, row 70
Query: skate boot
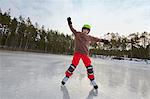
column 94, row 84
column 65, row 79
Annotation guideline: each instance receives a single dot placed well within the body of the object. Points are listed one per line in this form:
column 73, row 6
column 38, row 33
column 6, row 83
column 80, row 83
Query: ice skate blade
column 96, row 87
column 63, row 83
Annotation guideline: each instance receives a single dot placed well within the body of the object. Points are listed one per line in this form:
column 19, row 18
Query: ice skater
column 82, row 42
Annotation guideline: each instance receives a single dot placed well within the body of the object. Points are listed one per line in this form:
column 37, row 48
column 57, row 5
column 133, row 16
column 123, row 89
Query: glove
column 105, row 41
column 69, row 20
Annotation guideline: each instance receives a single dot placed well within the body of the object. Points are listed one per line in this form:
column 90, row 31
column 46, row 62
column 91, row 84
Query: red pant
column 87, row 62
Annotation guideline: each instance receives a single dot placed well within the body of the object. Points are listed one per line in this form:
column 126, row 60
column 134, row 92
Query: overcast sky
column 122, row 16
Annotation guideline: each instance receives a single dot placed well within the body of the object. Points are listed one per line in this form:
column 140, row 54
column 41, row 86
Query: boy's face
column 86, row 31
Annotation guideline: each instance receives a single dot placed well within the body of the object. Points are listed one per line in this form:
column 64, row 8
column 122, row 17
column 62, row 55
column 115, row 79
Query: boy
column 82, row 42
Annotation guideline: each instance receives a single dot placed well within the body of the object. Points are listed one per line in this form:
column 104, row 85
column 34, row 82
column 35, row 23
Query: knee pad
column 71, row 68
column 90, row 70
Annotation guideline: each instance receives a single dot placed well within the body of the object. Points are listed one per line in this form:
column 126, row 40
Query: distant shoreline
column 27, row 51
column 93, row 56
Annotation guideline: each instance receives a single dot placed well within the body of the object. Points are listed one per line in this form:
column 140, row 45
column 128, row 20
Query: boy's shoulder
column 78, row 33
column 89, row 35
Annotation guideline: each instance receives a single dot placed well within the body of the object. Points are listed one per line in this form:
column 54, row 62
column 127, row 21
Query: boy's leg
column 69, row 72
column 89, row 67
column 75, row 62
column 90, row 72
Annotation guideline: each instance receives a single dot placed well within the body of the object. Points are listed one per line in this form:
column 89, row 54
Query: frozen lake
column 25, row 75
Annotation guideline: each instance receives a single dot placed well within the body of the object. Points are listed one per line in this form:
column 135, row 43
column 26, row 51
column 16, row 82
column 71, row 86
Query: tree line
column 135, row 45
column 22, row 34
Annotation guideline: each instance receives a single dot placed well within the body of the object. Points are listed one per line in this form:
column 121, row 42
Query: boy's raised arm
column 70, row 25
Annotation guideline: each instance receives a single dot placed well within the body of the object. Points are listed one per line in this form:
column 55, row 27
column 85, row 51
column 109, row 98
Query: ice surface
column 37, row 76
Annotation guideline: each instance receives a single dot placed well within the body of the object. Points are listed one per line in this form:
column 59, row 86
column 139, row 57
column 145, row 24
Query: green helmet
column 86, row 26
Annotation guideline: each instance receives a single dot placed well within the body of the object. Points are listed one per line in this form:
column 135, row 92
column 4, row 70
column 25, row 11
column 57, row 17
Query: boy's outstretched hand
column 105, row 41
column 69, row 20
